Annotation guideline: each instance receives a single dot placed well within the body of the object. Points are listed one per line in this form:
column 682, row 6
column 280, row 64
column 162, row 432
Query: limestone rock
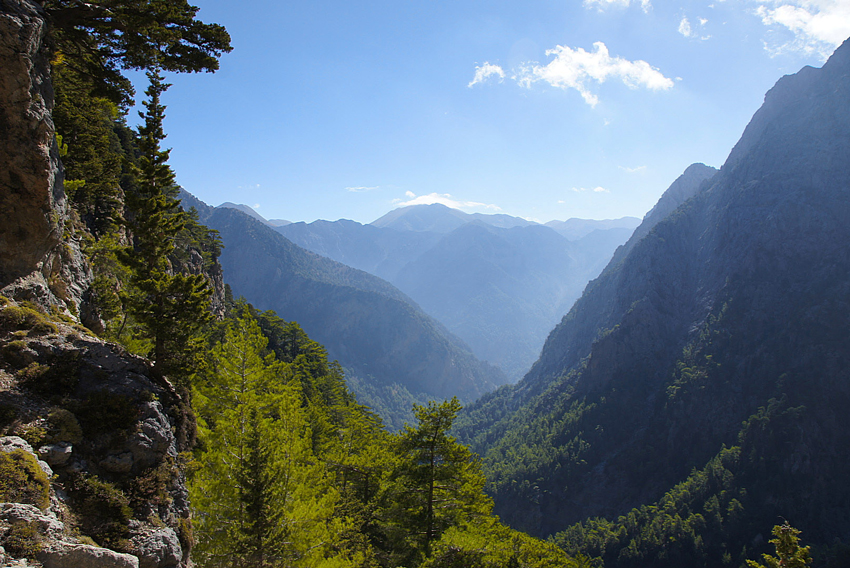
column 56, row 455
column 35, row 263
column 66, row 555
column 159, row 549
column 48, row 524
column 153, row 438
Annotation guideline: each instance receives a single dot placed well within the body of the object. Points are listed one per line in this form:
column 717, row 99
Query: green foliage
column 22, row 480
column 789, row 553
column 22, row 540
column 90, row 149
column 32, row 434
column 23, row 317
column 170, row 308
column 261, row 495
column 490, row 544
column 291, row 471
column 437, row 482
column 103, row 511
column 64, row 426
column 104, row 37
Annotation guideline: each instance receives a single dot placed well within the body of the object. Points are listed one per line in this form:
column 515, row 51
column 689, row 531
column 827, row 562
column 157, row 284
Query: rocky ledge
column 108, row 489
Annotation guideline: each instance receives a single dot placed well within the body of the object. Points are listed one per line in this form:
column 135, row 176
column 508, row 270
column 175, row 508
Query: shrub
column 64, row 426
column 105, row 412
column 33, row 434
column 25, row 317
column 16, row 353
column 22, row 480
column 22, row 540
column 8, row 415
column 58, row 378
column 103, row 511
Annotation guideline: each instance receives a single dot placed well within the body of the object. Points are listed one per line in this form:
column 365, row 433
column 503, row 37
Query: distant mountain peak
column 245, row 209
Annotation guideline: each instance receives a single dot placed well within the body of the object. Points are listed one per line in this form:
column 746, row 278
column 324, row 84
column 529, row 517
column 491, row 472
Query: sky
column 545, row 109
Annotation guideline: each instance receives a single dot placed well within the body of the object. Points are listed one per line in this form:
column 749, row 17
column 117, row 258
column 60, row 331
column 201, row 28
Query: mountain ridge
column 725, row 312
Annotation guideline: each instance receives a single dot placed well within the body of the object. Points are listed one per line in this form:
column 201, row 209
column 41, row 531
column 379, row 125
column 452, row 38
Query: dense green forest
column 287, row 468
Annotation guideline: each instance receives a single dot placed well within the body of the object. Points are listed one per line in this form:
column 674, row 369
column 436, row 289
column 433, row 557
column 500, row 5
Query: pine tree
column 789, row 553
column 438, row 482
column 171, row 308
column 261, row 496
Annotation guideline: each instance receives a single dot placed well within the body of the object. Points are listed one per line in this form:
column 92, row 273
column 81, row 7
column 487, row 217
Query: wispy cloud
column 361, row 189
column 443, row 199
column 575, row 68
column 597, row 189
column 687, row 30
column 602, row 4
column 818, row 26
column 484, row 72
column 685, row 27
column 632, row 170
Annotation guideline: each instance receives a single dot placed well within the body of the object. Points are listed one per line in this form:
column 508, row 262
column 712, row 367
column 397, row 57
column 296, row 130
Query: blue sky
column 540, row 109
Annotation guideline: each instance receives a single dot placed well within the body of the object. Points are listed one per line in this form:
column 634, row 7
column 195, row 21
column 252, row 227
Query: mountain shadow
column 697, row 391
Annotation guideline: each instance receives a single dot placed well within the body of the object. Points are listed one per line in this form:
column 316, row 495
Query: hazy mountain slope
column 500, row 289
column 367, row 324
column 501, row 298
column 733, row 308
column 379, row 251
column 574, row 229
column 433, row 218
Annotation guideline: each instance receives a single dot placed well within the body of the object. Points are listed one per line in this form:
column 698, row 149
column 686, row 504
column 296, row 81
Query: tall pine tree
column 171, row 308
column 261, row 497
column 437, row 483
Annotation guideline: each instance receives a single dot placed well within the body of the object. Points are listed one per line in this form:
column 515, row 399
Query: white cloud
column 361, row 189
column 443, row 199
column 818, row 26
column 602, row 4
column 597, row 189
column 632, row 170
column 484, row 72
column 574, row 68
column 686, row 30
column 685, row 27
column 256, row 206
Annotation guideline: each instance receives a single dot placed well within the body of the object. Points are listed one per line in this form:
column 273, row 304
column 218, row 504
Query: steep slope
column 385, row 341
column 731, row 309
column 498, row 282
column 376, row 250
column 686, row 186
column 501, row 290
column 574, row 229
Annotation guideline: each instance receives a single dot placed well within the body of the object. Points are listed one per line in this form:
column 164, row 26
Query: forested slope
column 395, row 353
column 730, row 311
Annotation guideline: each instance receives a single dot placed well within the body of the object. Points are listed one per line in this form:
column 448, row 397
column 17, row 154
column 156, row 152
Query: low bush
column 22, row 480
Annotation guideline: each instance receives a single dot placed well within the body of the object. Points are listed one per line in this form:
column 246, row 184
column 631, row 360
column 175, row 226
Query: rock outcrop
column 40, row 259
column 107, row 434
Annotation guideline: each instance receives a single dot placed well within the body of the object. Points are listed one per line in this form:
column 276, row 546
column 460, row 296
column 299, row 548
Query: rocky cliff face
column 84, row 426
column 40, row 259
column 110, row 437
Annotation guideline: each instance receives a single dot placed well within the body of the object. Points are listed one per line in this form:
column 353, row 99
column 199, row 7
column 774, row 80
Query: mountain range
column 498, row 282
column 393, row 353
column 696, row 393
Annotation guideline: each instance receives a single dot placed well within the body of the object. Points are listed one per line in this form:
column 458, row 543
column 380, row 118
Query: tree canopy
column 102, row 37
